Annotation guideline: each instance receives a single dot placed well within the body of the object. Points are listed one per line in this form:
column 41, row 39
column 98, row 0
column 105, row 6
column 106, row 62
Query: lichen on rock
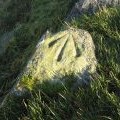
column 69, row 51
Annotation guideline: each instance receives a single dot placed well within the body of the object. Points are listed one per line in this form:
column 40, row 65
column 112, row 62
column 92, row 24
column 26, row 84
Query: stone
column 90, row 6
column 71, row 51
column 67, row 52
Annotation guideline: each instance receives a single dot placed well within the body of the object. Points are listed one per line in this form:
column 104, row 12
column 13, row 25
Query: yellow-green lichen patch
column 69, row 51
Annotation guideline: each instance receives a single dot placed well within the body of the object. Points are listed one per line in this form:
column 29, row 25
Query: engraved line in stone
column 78, row 52
column 61, row 49
column 74, row 47
column 54, row 41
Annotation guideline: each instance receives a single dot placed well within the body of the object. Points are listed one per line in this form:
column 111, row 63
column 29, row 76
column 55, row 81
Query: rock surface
column 90, row 6
column 69, row 51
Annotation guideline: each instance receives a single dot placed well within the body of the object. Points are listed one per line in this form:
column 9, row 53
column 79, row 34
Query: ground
column 99, row 101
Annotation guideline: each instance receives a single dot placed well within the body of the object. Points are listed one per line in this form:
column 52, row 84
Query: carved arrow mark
column 64, row 40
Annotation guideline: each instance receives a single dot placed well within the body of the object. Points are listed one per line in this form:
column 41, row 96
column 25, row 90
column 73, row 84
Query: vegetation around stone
column 99, row 101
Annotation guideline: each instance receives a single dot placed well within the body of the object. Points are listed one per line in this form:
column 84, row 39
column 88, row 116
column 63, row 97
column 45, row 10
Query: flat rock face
column 90, row 6
column 69, row 51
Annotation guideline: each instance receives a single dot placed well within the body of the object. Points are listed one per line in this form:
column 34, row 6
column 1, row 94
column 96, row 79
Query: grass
column 100, row 100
